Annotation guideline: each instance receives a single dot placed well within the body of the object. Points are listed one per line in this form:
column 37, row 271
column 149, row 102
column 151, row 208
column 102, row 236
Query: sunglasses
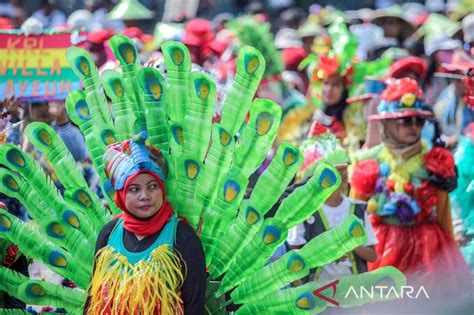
column 409, row 121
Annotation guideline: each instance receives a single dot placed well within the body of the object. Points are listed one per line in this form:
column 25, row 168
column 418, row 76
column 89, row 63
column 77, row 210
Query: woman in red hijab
column 147, row 261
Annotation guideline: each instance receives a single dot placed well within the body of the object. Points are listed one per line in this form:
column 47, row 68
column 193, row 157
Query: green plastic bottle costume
column 208, row 170
column 252, row 32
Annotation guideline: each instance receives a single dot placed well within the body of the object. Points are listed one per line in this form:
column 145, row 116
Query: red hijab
column 144, row 226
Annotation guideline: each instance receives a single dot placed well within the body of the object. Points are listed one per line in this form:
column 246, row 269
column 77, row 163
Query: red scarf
column 144, row 226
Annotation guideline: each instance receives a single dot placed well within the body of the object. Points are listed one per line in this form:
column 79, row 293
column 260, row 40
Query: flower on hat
column 408, row 99
column 399, row 88
column 401, row 98
column 327, row 67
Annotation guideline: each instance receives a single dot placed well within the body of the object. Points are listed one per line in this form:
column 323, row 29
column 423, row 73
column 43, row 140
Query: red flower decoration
column 327, row 66
column 426, row 197
column 337, row 128
column 317, row 129
column 364, row 177
column 468, row 81
column 396, row 89
column 440, row 162
column 348, row 76
column 309, row 157
column 390, row 185
column 408, row 187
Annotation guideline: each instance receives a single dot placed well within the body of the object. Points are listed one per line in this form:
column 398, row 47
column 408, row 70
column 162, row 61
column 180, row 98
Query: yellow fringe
column 401, row 170
column 149, row 287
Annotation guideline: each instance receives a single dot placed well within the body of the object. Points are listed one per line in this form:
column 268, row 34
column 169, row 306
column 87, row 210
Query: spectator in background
column 450, row 108
column 11, row 113
column 468, row 31
column 220, row 21
column 198, row 34
column 99, row 10
column 292, row 18
column 320, row 146
column 290, row 45
column 440, row 50
column 52, row 113
column 410, row 67
column 49, row 16
column 202, row 43
column 308, row 32
column 15, row 11
column 96, row 45
column 296, row 78
column 80, row 20
column 394, row 24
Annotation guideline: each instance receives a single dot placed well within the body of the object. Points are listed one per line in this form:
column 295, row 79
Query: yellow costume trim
column 150, row 286
column 402, row 170
column 290, row 127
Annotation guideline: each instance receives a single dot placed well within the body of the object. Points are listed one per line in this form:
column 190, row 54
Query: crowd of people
column 384, row 95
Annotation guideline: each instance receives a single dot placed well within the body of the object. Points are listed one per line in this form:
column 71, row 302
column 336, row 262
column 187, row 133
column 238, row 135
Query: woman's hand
column 11, row 105
column 367, row 253
column 373, row 126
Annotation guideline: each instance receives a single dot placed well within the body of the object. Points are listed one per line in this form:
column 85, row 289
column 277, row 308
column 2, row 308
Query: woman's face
column 333, row 89
column 342, row 169
column 405, row 130
column 143, row 197
column 392, row 27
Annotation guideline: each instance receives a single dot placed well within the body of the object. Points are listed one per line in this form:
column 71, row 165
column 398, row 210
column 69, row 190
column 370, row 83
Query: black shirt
column 187, row 243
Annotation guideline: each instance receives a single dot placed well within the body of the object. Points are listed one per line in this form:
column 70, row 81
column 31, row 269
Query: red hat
column 198, row 32
column 216, row 47
column 458, row 68
column 135, row 32
column 402, row 98
column 409, row 64
column 293, row 56
column 6, row 24
column 99, row 37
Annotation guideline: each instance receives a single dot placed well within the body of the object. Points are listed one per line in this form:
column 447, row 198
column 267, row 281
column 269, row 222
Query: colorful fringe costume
column 151, row 285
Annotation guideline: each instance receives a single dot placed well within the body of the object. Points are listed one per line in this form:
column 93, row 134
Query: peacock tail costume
column 208, row 170
column 295, row 109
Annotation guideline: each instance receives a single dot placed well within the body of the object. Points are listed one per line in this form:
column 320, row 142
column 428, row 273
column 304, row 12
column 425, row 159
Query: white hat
column 80, row 19
column 468, row 28
column 287, row 37
column 441, row 42
column 32, row 26
column 369, row 36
